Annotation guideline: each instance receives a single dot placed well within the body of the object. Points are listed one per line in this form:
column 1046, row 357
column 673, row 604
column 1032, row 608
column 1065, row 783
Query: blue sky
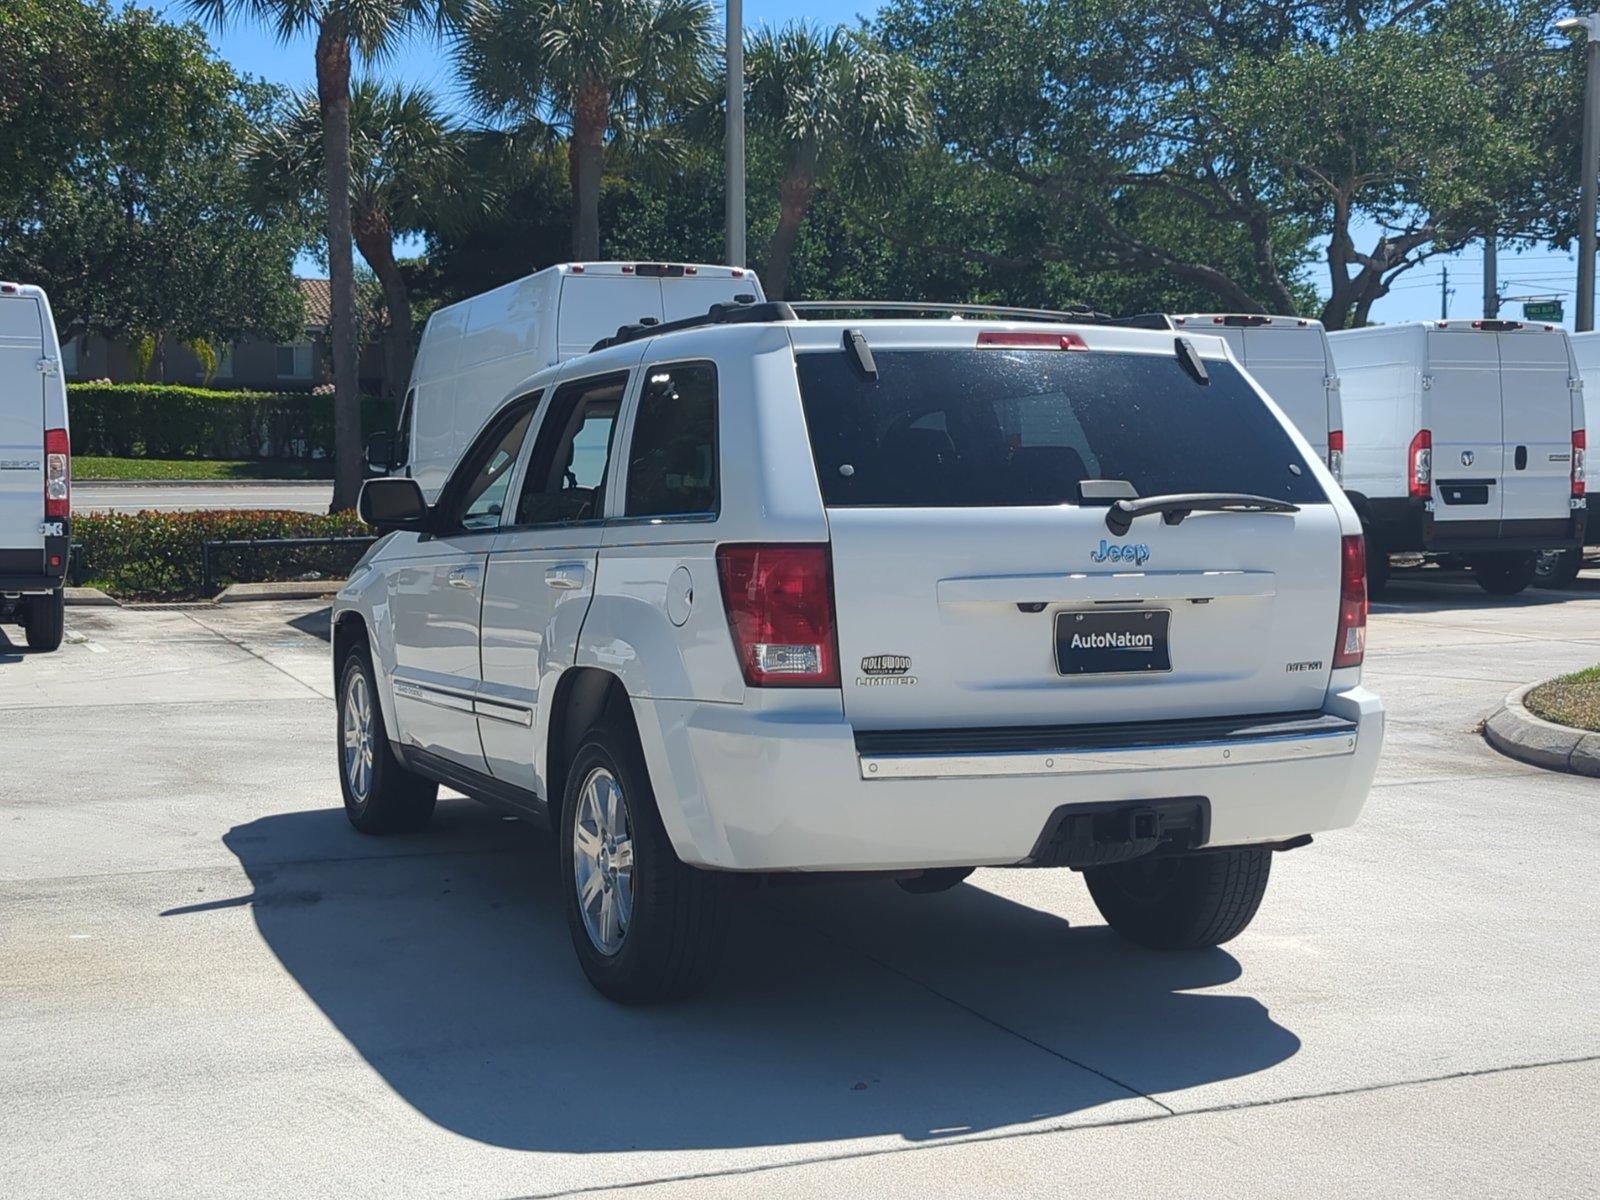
column 1545, row 272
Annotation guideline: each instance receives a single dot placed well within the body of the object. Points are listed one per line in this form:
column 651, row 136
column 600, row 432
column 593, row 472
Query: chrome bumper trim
column 1111, row 760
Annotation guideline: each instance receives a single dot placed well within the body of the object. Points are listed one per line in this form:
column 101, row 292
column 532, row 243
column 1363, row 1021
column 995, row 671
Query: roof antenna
column 1189, row 360
column 855, row 344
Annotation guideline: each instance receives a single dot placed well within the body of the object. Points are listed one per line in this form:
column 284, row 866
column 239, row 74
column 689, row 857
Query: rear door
column 1536, row 398
column 693, row 296
column 1463, row 401
column 974, row 588
column 1290, row 363
column 595, row 306
column 22, row 421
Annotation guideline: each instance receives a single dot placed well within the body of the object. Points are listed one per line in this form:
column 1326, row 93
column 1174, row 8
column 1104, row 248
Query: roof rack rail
column 1075, row 314
column 740, row 312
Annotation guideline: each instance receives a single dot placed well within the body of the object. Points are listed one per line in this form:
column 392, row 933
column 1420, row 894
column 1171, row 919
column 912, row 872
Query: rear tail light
column 1033, row 341
column 1580, row 452
column 1421, row 460
column 1350, row 645
column 57, row 475
column 1336, row 454
column 779, row 600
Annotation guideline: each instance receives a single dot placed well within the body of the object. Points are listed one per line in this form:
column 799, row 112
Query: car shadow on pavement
column 843, row 1011
column 10, row 652
column 1430, row 590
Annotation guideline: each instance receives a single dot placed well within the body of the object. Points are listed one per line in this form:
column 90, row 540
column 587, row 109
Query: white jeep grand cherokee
column 748, row 594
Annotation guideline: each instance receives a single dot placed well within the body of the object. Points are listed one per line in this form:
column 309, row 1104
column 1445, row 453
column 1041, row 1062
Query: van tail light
column 1350, row 646
column 1336, row 454
column 1580, row 451
column 779, row 600
column 1032, row 341
column 57, row 475
column 1421, row 460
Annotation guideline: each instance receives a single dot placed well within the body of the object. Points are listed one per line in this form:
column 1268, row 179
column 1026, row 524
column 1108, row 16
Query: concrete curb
column 315, row 589
column 1517, row 733
column 87, row 597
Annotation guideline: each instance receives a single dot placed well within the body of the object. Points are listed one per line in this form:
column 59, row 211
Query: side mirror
column 380, row 453
column 390, row 504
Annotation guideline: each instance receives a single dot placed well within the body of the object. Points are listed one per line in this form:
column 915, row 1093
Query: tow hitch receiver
column 1096, row 835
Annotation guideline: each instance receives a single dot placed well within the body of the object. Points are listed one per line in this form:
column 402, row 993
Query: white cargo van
column 35, row 467
column 1561, row 568
column 1289, row 357
column 474, row 352
column 1464, row 438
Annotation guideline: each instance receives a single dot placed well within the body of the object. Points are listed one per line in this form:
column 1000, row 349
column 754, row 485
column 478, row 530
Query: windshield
column 982, row 427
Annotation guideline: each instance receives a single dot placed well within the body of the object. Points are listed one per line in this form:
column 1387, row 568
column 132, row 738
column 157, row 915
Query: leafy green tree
column 407, row 170
column 829, row 99
column 596, row 72
column 123, row 196
column 343, row 29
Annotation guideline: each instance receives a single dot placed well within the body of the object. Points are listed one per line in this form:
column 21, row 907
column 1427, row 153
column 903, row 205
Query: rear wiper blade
column 1174, row 508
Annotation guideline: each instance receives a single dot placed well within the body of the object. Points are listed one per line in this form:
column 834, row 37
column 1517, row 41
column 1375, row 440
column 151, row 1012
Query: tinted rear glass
column 967, row 428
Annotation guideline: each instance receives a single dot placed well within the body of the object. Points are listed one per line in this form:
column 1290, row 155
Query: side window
column 567, row 472
column 672, row 463
column 402, row 433
column 478, row 488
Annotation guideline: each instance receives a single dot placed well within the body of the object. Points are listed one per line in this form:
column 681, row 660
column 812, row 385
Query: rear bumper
column 1403, row 526
column 37, row 569
column 745, row 792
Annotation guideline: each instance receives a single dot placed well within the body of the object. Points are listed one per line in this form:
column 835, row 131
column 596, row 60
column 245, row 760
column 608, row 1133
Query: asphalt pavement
column 179, row 496
column 209, row 985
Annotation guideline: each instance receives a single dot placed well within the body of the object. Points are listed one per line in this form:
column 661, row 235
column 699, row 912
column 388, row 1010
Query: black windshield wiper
column 1173, row 509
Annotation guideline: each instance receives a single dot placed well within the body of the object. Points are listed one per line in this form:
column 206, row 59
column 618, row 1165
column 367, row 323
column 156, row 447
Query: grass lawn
column 87, row 468
column 1570, row 700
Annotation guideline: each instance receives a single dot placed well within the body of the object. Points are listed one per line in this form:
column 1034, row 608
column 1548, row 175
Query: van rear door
column 22, row 422
column 1463, row 401
column 974, row 586
column 693, row 295
column 595, row 305
column 1537, row 420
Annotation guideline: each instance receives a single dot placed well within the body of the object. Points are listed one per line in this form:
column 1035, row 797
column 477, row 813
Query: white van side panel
column 1586, row 361
column 26, row 337
column 1380, row 391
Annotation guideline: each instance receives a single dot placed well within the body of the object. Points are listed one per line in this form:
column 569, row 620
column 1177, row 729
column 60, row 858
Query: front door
column 541, row 572
column 436, row 596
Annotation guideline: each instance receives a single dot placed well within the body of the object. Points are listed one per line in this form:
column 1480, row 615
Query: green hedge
column 157, row 556
column 148, row 420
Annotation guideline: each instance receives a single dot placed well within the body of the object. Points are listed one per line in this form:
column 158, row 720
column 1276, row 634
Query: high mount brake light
column 1420, row 464
column 57, row 475
column 1032, row 341
column 1350, row 642
column 779, row 600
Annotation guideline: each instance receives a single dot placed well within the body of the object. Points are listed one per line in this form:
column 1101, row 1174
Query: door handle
column 460, row 578
column 1522, row 458
column 568, row 577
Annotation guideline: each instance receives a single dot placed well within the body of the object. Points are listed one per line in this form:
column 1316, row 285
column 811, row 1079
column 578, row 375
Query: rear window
column 970, row 428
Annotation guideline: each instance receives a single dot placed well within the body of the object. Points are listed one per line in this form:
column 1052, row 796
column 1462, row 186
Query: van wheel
column 1558, row 568
column 647, row 928
column 1182, row 902
column 1503, row 574
column 380, row 795
column 44, row 620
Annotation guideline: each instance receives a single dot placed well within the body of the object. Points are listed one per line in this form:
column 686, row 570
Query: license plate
column 1112, row 643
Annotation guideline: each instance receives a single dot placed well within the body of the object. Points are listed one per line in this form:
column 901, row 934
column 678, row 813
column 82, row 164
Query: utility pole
column 735, row 134
column 1491, row 277
column 1590, row 27
column 1444, row 295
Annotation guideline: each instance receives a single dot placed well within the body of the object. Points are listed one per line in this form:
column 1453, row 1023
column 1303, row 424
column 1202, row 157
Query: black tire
column 1504, row 574
column 670, row 944
column 1377, row 569
column 388, row 798
column 1182, row 902
column 44, row 620
column 1558, row 569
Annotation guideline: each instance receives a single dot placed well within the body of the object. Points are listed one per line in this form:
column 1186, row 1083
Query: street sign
column 1542, row 310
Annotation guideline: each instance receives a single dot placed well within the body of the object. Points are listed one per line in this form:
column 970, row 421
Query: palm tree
column 829, row 100
column 406, row 171
column 371, row 29
column 589, row 70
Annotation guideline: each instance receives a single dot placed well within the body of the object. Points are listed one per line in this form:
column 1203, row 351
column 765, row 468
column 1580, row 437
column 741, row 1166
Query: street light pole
column 734, row 169
column 1590, row 27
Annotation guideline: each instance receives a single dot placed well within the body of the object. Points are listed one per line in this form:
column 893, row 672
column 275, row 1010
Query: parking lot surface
column 209, row 985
